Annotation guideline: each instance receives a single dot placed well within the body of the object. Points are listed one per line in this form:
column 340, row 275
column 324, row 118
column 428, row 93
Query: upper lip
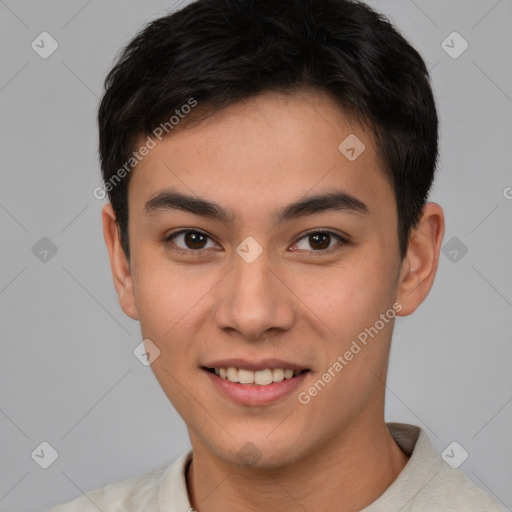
column 254, row 365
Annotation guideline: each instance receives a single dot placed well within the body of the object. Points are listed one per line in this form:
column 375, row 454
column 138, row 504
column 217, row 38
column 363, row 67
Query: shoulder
column 453, row 489
column 428, row 483
column 116, row 496
column 136, row 494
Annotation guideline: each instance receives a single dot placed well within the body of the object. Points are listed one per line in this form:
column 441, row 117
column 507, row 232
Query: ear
column 420, row 263
column 118, row 262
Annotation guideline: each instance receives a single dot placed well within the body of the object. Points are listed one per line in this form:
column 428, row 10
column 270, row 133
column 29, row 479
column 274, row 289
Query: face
column 228, row 270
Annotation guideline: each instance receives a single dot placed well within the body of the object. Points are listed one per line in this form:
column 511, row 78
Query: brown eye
column 194, row 240
column 190, row 241
column 318, row 241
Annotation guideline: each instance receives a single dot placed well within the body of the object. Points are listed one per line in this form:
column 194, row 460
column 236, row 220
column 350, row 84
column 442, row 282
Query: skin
column 301, row 305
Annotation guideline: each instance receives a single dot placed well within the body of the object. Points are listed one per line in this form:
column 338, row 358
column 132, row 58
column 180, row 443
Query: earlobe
column 420, row 264
column 119, row 265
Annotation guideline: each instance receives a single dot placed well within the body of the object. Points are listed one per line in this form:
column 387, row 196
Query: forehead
column 272, row 148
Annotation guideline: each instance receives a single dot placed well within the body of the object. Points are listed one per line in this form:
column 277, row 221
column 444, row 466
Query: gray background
column 68, row 375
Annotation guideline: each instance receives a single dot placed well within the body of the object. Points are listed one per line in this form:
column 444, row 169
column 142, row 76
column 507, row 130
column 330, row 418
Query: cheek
column 161, row 306
column 165, row 294
column 172, row 303
column 165, row 302
column 345, row 296
column 347, row 302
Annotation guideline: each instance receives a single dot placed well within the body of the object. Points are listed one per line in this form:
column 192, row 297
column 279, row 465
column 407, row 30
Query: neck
column 352, row 470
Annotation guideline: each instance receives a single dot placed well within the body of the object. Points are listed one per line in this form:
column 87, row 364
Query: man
column 268, row 166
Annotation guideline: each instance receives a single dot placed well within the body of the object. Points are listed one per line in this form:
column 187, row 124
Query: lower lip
column 254, row 394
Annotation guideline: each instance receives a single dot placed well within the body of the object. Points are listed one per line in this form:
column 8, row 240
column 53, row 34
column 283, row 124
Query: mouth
column 259, row 386
column 263, row 377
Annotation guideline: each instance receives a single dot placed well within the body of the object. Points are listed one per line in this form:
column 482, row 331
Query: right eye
column 189, row 241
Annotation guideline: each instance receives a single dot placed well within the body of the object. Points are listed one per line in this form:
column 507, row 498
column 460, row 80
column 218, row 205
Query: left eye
column 318, row 240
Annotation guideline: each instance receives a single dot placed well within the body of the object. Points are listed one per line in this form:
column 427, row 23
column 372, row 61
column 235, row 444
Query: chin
column 259, row 451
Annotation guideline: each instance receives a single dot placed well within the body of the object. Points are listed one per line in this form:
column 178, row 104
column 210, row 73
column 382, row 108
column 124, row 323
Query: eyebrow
column 339, row 200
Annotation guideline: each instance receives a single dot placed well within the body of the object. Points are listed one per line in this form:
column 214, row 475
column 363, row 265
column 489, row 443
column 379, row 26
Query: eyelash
column 198, row 252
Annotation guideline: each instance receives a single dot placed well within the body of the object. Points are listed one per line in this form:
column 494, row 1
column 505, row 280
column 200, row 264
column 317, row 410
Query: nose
column 254, row 300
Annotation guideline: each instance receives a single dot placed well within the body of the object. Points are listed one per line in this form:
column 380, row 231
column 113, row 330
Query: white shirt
column 426, row 484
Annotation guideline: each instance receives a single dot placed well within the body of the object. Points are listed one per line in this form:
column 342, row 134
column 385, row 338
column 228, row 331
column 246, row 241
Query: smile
column 259, row 377
column 255, row 387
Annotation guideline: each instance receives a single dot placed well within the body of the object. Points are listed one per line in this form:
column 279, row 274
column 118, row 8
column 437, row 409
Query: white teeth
column 277, row 374
column 263, row 377
column 232, row 374
column 260, row 377
column 244, row 377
